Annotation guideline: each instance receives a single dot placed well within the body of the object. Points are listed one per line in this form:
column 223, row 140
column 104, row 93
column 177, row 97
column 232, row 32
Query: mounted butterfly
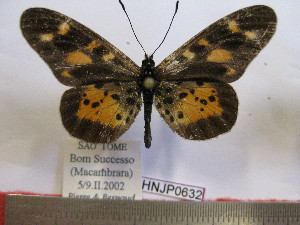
column 189, row 88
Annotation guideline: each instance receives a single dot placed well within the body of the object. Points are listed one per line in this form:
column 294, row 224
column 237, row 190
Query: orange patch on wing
column 78, row 58
column 203, row 42
column 188, row 54
column 219, row 56
column 63, row 29
column 233, row 26
column 98, row 106
column 189, row 108
column 46, row 37
column 66, row 73
column 230, row 70
column 204, row 103
column 92, row 45
column 108, row 56
column 250, row 35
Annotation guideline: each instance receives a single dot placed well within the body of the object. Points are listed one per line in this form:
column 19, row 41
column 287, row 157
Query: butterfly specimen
column 189, row 88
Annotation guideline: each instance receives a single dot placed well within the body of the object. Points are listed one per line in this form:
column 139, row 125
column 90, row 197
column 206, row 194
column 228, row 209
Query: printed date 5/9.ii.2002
column 101, row 185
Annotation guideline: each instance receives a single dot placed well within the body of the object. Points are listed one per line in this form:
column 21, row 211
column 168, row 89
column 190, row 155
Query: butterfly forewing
column 197, row 110
column 76, row 55
column 100, row 113
column 223, row 50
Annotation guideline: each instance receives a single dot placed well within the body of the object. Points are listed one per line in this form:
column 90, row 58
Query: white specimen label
column 102, row 171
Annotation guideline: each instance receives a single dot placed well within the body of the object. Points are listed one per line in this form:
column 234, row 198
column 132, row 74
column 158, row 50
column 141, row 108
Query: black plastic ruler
column 64, row 211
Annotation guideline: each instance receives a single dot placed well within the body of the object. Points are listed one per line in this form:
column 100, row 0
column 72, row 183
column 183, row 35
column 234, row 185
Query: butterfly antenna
column 123, row 7
column 176, row 9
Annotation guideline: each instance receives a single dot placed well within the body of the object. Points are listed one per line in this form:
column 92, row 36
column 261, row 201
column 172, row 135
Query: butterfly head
column 148, row 62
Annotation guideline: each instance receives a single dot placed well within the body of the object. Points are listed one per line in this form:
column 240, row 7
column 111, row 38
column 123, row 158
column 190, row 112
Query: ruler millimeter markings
column 55, row 210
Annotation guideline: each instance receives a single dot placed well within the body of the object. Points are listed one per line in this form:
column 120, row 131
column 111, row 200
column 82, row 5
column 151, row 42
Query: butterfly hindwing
column 100, row 113
column 76, row 55
column 223, row 50
column 197, row 110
